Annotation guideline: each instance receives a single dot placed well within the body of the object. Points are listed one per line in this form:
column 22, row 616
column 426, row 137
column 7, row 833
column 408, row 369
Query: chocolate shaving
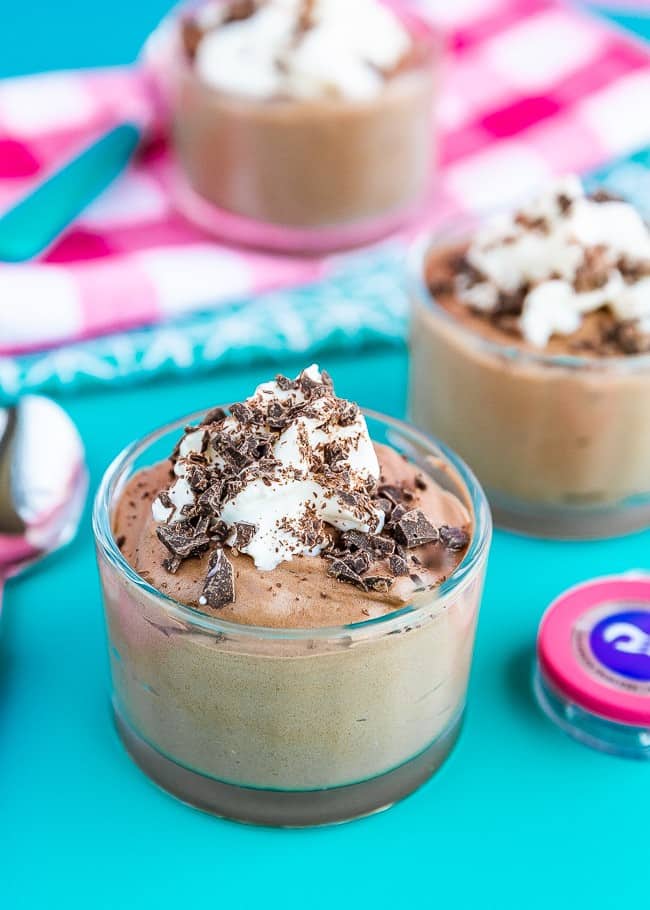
column 219, row 587
column 453, row 538
column 414, row 529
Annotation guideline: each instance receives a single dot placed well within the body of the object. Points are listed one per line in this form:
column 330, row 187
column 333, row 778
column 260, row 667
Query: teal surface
column 520, row 817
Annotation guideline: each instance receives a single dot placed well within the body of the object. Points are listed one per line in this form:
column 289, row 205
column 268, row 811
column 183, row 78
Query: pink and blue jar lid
column 593, row 664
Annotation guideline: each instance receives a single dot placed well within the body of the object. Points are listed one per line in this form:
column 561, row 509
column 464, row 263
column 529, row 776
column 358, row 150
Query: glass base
column 285, row 808
column 563, row 522
column 277, row 238
column 596, row 732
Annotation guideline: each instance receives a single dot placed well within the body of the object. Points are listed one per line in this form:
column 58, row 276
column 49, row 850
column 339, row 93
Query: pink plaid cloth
column 532, row 88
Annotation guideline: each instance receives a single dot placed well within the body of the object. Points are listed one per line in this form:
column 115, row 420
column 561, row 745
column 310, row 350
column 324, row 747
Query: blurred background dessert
column 537, row 328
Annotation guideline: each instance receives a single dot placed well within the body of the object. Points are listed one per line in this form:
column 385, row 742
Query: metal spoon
column 43, row 483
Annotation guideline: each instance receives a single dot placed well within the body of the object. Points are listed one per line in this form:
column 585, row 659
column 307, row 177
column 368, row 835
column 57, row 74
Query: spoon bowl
column 43, row 482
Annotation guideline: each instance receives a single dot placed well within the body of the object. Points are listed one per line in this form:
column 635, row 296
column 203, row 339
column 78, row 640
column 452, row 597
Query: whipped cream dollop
column 562, row 256
column 271, row 476
column 299, row 48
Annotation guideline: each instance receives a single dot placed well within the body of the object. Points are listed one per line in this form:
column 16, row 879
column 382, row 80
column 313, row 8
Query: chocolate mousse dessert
column 295, row 608
column 303, row 113
column 538, row 329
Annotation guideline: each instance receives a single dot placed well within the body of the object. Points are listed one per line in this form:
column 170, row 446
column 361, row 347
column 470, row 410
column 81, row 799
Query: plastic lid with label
column 593, row 663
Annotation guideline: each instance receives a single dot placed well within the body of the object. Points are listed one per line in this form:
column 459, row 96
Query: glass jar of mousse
column 290, row 727
column 561, row 443
column 303, row 175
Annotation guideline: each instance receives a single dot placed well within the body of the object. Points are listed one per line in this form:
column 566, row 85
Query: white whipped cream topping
column 276, row 508
column 343, row 52
column 512, row 254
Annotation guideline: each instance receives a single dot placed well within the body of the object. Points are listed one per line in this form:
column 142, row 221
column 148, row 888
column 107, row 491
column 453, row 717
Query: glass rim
column 420, row 248
column 115, row 476
column 162, row 44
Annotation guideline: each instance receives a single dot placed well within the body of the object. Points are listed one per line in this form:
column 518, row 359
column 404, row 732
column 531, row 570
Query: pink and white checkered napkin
column 532, row 88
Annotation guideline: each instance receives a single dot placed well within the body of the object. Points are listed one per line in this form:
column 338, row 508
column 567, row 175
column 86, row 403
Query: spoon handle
column 37, row 220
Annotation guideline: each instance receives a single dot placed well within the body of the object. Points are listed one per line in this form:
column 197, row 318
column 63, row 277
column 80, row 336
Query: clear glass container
column 626, row 740
column 295, row 175
column 290, row 727
column 561, row 444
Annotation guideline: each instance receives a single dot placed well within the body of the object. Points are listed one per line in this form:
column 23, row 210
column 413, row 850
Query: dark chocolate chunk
column 398, row 565
column 420, row 482
column 183, row 539
column 385, row 505
column 242, row 413
column 214, row 415
column 414, row 529
column 359, row 562
column 163, row 496
column 120, row 541
column 342, row 572
column 374, row 543
column 389, row 491
column 453, row 538
column 219, row 587
column 210, row 501
column 379, row 583
column 197, row 478
column 244, row 533
column 172, row 564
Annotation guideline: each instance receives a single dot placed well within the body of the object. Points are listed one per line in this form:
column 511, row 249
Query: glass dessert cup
column 561, row 444
column 296, row 175
column 290, row 727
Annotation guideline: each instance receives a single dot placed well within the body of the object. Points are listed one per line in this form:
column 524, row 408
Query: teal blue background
column 520, row 817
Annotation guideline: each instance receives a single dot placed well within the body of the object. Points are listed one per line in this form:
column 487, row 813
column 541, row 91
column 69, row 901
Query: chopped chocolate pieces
column 396, row 515
column 348, row 414
column 210, row 501
column 244, row 533
column 594, row 271
column 420, row 482
column 342, row 572
column 182, row 539
column 191, row 35
column 359, row 562
column 564, row 203
column 532, row 224
column 453, row 538
column 630, row 339
column 120, row 541
column 633, row 270
column 387, row 491
column 242, row 412
column 377, row 544
column 172, row 564
column 414, row 529
column 219, row 587
column 603, row 195
column 378, row 583
column 398, row 565
column 164, row 498
column 285, row 384
column 385, row 505
column 197, row 477
column 215, row 415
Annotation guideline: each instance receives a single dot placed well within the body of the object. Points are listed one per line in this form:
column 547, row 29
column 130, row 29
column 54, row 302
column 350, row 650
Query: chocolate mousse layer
column 321, row 136
column 538, row 326
column 304, row 592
